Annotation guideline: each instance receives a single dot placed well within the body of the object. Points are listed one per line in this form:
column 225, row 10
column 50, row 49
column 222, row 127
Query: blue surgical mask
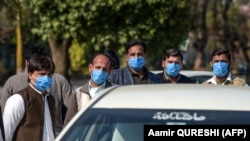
column 220, row 69
column 136, row 63
column 99, row 76
column 173, row 69
column 43, row 83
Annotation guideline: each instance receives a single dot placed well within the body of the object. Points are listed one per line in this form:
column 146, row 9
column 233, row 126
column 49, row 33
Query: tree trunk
column 226, row 37
column 247, row 58
column 215, row 27
column 60, row 55
column 198, row 61
column 202, row 38
column 19, row 44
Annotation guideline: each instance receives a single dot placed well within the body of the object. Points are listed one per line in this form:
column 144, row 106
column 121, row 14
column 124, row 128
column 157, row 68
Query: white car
column 119, row 113
column 197, row 76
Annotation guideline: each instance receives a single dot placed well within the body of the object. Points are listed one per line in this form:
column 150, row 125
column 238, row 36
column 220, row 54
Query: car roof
column 168, row 97
column 174, row 96
column 196, row 73
column 190, row 73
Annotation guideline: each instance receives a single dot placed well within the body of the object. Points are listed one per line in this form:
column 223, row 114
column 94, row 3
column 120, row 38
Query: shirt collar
column 44, row 94
column 226, row 82
column 141, row 75
column 94, row 90
column 166, row 77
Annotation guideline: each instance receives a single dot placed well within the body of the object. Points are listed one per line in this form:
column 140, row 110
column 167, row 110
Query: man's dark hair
column 34, row 50
column 172, row 52
column 41, row 62
column 115, row 61
column 99, row 53
column 136, row 42
column 220, row 51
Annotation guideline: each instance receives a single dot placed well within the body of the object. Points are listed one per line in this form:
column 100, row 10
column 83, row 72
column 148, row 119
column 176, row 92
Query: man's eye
column 216, row 61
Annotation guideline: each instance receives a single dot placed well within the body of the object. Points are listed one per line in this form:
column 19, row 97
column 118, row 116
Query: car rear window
column 109, row 124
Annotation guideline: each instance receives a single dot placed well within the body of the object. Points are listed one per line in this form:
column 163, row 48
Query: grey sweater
column 61, row 90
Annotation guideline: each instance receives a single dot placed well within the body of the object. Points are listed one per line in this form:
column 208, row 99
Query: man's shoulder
column 17, row 78
column 239, row 81
column 18, row 75
column 159, row 74
column 58, row 76
column 84, row 88
column 109, row 84
column 60, row 79
column 78, row 91
column 186, row 79
column 236, row 78
column 121, row 71
column 149, row 73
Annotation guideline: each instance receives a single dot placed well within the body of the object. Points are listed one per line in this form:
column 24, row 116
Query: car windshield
column 127, row 124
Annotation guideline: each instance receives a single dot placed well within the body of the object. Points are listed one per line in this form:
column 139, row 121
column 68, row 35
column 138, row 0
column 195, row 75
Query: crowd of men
column 37, row 103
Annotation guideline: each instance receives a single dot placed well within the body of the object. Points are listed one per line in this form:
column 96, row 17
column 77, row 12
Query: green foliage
column 78, row 62
column 110, row 24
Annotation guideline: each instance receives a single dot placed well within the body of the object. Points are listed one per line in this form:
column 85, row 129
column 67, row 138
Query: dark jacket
column 73, row 105
column 123, row 76
column 182, row 78
column 31, row 126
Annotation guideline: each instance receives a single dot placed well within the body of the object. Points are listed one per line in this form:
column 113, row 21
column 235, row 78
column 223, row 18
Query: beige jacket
column 78, row 100
column 236, row 81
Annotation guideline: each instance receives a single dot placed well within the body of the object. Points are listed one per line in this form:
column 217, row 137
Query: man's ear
column 126, row 57
column 29, row 76
column 90, row 68
column 26, row 63
column 211, row 64
column 162, row 64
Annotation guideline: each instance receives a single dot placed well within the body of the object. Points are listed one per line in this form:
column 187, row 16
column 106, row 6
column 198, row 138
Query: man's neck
column 220, row 80
column 140, row 72
column 171, row 79
column 93, row 84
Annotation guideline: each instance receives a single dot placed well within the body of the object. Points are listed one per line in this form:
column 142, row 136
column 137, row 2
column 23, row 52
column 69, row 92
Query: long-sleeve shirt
column 61, row 91
column 14, row 112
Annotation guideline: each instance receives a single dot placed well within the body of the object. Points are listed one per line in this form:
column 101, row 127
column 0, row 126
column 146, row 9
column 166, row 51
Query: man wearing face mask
column 30, row 113
column 172, row 65
column 61, row 88
column 135, row 72
column 221, row 63
column 99, row 69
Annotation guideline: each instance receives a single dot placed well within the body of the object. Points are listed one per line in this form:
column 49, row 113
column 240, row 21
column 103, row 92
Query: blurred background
column 72, row 30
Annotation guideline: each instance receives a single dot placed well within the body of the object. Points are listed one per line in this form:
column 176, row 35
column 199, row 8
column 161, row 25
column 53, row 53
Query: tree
column 15, row 28
column 17, row 12
column 109, row 24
